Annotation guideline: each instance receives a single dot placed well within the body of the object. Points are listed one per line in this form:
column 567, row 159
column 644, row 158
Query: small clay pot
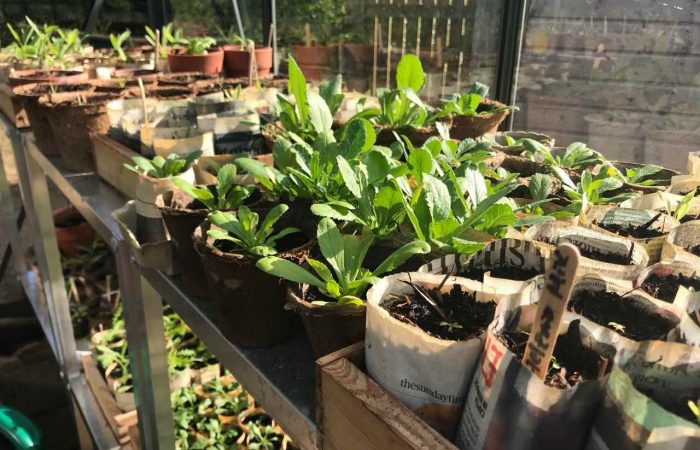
column 20, row 77
column 315, row 60
column 329, row 328
column 237, row 60
column 72, row 231
column 29, row 95
column 75, row 119
column 210, row 63
column 181, row 214
column 250, row 302
column 464, row 127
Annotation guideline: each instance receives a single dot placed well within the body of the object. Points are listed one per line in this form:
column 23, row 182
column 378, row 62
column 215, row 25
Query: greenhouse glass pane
column 457, row 40
column 622, row 75
column 207, row 17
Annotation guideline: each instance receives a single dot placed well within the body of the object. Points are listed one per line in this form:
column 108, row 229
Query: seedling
column 617, row 327
column 117, row 41
column 451, row 326
column 243, row 231
column 467, row 104
column 695, row 408
column 160, row 167
column 228, row 196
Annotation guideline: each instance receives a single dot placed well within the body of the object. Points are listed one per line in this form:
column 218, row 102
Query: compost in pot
column 666, row 287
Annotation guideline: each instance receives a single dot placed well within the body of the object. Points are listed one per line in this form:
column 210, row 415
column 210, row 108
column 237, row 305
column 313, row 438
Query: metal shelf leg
column 143, row 315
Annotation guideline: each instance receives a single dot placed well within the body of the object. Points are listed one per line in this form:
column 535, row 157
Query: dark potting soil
column 625, row 316
column 68, row 223
column 508, row 273
column 459, row 307
column 695, row 250
column 571, row 362
column 631, row 231
column 689, row 218
column 613, row 258
column 696, row 190
column 43, row 89
column 666, row 288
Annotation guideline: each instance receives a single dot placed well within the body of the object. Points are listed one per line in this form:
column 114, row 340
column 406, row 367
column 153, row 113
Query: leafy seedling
column 228, row 195
column 159, row 167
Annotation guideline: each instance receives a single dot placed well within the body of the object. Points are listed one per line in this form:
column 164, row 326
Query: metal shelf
column 280, row 378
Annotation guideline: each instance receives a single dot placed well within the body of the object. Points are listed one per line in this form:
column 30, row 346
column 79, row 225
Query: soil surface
column 571, row 361
column 461, row 309
column 508, row 273
column 69, row 223
column 666, row 288
column 625, row 260
column 625, row 316
column 631, row 231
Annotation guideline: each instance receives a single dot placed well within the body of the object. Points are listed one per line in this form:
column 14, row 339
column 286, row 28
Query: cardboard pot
column 250, row 303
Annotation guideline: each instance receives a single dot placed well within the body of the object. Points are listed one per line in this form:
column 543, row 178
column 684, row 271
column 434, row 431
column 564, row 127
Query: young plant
column 467, row 104
column 591, row 189
column 198, row 45
column 345, row 255
column 228, row 195
column 643, row 176
column 160, row 167
column 242, row 230
column 117, row 41
column 695, row 409
column 232, row 37
column 169, row 36
column 681, row 210
column 576, row 156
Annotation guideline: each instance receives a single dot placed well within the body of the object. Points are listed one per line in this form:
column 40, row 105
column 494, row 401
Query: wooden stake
column 252, row 65
column 270, row 34
column 307, row 34
column 559, row 283
column 143, row 101
column 157, row 50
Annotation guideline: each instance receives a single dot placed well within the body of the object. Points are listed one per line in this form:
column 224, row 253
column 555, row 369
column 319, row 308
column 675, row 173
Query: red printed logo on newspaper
column 492, row 356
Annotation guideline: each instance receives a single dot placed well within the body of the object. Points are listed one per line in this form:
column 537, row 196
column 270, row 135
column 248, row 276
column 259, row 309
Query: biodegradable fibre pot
column 153, row 255
column 187, row 79
column 502, row 267
column 428, row 374
column 329, row 328
column 29, row 95
column 464, row 127
column 645, row 227
column 683, row 244
column 20, row 77
column 601, row 253
column 181, row 214
column 149, row 224
column 76, row 118
column 136, row 73
column 237, row 60
column 250, row 303
column 72, row 231
column 508, row 406
column 210, row 63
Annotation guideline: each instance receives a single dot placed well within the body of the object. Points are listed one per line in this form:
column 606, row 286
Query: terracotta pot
column 76, row 118
column 181, row 214
column 464, row 127
column 20, row 77
column 329, row 328
column 29, row 95
column 250, row 303
column 72, row 231
column 210, row 63
column 314, row 60
column 361, row 54
column 237, row 60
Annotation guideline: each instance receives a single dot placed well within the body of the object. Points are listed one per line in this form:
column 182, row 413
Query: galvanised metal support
column 512, row 32
column 7, row 210
column 143, row 316
column 157, row 13
column 91, row 21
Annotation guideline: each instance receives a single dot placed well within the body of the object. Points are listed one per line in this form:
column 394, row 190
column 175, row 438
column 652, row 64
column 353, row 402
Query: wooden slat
column 110, row 157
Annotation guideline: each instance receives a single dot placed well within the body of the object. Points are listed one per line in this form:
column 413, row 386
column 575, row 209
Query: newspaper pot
column 674, row 282
column 503, row 266
column 508, row 406
column 601, row 253
column 20, row 77
column 29, row 95
column 417, row 136
column 250, row 303
column 664, row 175
column 76, row 118
column 644, row 227
column 153, row 255
column 214, row 103
column 181, row 214
column 149, row 222
column 329, row 328
column 683, row 244
column 314, row 60
column 234, row 132
column 210, row 63
column 414, row 364
column 631, row 417
column 464, row 127
column 72, row 231
column 169, row 143
column 237, row 60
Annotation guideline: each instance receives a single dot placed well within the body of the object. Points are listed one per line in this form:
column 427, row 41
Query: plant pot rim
column 25, row 90
column 178, row 52
column 163, row 202
column 240, row 48
column 296, row 302
column 66, row 100
column 484, row 115
column 50, row 73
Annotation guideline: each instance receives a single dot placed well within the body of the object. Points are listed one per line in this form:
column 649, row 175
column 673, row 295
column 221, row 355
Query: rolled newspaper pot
column 683, row 244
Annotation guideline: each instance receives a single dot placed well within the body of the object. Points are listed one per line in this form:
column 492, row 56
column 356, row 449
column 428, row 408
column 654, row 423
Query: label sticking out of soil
column 627, row 316
column 666, row 287
column 454, row 315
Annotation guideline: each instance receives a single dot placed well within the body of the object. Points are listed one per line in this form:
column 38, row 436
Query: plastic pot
column 237, row 60
column 210, row 63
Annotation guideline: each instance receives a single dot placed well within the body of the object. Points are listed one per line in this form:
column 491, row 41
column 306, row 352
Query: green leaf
column 349, row 177
column 321, row 269
column 271, row 219
column 421, row 162
column 475, row 186
column 438, row 198
column 466, row 247
column 289, row 271
column 202, row 194
column 319, row 114
column 333, row 211
column 331, row 244
column 225, row 179
column 683, row 206
column 297, row 86
column 409, row 73
column 358, row 137
column 400, row 256
column 540, row 186
column 525, row 222
column 496, row 217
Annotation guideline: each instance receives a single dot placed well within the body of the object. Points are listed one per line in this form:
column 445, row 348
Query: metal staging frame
column 280, row 378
